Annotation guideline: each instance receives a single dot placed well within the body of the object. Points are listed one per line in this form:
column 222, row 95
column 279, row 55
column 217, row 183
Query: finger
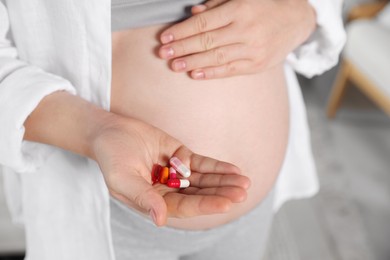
column 234, row 68
column 198, row 43
column 204, row 180
column 215, row 57
column 196, row 9
column 182, row 205
column 204, row 164
column 208, row 5
column 213, row 3
column 203, row 22
column 235, row 194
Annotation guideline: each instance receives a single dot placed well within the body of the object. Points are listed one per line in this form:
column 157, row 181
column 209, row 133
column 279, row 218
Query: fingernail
column 199, row 75
column 166, row 38
column 167, row 52
column 179, row 65
column 200, row 8
column 153, row 216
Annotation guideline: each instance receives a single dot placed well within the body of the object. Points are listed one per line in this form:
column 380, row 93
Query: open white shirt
column 61, row 197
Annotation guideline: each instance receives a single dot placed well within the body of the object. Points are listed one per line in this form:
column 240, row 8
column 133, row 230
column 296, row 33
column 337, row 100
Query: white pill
column 180, row 167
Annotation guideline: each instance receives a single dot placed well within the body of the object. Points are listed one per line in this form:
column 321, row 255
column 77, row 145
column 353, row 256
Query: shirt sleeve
column 321, row 51
column 22, row 87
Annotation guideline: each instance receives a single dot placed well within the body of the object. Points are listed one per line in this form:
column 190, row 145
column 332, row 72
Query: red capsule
column 156, row 173
column 178, row 183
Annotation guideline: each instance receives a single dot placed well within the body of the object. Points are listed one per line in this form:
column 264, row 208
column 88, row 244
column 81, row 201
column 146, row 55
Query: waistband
column 127, row 223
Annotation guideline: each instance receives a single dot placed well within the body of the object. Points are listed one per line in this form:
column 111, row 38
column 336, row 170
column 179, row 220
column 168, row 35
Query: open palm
column 126, row 151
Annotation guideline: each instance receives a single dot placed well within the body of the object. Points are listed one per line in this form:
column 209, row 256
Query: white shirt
column 61, row 197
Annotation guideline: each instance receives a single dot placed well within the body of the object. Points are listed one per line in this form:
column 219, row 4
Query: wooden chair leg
column 338, row 89
column 369, row 88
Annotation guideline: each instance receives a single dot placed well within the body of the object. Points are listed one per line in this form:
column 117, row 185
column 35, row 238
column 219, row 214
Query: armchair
column 365, row 59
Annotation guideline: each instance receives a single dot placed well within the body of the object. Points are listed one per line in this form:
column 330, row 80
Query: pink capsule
column 178, row 183
column 172, row 173
column 180, row 167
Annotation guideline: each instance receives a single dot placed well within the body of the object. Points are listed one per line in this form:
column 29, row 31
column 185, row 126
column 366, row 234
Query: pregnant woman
column 154, row 110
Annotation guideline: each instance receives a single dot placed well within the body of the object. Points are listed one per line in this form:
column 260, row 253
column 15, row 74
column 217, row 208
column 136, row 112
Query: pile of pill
column 168, row 175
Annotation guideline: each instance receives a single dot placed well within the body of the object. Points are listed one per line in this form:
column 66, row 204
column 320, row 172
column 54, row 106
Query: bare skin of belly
column 242, row 120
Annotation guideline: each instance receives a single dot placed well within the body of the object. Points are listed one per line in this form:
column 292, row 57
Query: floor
column 11, row 236
column 349, row 218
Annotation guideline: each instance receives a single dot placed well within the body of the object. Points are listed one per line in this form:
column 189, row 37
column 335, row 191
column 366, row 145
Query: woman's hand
column 126, row 150
column 232, row 37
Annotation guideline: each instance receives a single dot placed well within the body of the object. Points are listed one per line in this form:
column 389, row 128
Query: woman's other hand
column 233, row 37
column 126, row 150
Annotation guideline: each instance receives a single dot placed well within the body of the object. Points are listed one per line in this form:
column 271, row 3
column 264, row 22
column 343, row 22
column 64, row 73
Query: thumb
column 139, row 194
column 153, row 203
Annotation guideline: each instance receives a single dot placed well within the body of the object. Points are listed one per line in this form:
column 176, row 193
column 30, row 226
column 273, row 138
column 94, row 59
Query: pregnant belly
column 242, row 120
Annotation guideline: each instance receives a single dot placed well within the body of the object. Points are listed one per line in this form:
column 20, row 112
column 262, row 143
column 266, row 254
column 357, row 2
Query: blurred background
column 349, row 116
